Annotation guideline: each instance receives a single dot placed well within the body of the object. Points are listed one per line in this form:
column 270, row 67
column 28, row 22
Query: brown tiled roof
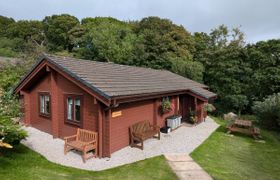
column 114, row 80
column 122, row 80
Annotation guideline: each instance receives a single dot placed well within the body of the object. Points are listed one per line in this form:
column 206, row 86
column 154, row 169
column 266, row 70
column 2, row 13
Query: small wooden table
column 244, row 127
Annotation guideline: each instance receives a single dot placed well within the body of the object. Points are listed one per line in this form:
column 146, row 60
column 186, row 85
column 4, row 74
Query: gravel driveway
column 183, row 140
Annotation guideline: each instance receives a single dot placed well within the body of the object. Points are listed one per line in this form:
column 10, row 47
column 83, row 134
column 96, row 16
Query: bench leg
column 133, row 144
column 84, row 156
column 158, row 135
column 65, row 149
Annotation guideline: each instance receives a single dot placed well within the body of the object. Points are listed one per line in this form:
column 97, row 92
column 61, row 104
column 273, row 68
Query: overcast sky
column 259, row 19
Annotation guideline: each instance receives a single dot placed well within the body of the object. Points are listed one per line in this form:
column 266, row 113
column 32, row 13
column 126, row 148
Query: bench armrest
column 155, row 127
column 69, row 138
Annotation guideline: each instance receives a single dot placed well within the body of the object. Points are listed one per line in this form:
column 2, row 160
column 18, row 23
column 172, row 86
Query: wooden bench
column 83, row 141
column 141, row 131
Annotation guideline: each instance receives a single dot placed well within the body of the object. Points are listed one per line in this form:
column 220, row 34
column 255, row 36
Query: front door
column 182, row 109
column 186, row 103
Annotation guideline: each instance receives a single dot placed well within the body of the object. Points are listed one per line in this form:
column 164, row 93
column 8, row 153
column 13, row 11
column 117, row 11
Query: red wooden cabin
column 60, row 94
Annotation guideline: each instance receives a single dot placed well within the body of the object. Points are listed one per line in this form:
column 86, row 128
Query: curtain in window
column 69, row 108
column 47, row 101
column 42, row 104
column 77, row 109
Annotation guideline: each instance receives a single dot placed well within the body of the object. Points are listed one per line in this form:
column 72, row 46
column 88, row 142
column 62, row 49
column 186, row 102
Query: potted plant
column 193, row 117
column 166, row 105
column 207, row 108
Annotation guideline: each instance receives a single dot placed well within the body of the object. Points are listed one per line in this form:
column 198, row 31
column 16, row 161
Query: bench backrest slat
column 140, row 127
column 85, row 135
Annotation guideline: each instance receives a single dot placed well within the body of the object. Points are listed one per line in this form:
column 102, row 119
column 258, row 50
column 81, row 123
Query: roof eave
column 40, row 59
column 43, row 58
column 146, row 96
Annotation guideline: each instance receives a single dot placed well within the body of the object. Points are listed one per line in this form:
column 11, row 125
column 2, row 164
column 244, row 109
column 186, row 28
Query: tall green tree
column 27, row 30
column 222, row 53
column 56, row 28
column 107, row 39
column 188, row 68
column 264, row 59
column 159, row 40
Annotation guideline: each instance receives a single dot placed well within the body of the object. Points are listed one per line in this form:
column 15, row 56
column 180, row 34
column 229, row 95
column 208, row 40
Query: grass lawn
column 239, row 157
column 23, row 163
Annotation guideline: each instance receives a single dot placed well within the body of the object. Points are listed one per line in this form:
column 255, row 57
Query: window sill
column 47, row 116
column 73, row 123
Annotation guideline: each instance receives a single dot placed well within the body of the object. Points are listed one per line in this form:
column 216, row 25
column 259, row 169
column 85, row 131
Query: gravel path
column 183, row 140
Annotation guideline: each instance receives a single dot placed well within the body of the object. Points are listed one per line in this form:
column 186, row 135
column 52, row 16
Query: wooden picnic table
column 243, row 123
column 244, row 127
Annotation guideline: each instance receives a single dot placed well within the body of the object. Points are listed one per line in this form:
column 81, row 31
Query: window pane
column 47, row 100
column 42, row 104
column 78, row 109
column 69, row 108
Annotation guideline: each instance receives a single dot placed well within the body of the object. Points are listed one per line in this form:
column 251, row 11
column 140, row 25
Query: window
column 73, row 109
column 44, row 101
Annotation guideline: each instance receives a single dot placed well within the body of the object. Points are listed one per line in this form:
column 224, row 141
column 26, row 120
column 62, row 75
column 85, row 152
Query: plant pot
column 165, row 130
column 166, row 111
column 193, row 120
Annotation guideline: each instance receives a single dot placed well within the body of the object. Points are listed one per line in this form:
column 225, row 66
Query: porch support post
column 205, row 114
column 100, row 129
column 156, row 106
column 107, row 134
column 195, row 103
column 54, row 105
column 177, row 105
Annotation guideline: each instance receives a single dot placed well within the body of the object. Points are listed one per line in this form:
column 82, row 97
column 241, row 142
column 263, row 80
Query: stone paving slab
column 194, row 175
column 186, row 168
column 188, row 165
column 178, row 157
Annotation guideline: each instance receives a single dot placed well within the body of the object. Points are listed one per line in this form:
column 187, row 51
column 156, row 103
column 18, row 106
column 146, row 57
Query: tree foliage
column 4, row 24
column 222, row 53
column 56, row 28
column 108, row 40
column 239, row 73
column 264, row 58
column 268, row 111
column 159, row 40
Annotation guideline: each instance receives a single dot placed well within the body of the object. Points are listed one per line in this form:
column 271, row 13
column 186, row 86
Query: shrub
column 268, row 111
column 7, row 52
column 10, row 75
column 10, row 105
column 11, row 47
column 10, row 132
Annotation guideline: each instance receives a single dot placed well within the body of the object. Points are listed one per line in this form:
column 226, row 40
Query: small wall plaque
column 116, row 113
